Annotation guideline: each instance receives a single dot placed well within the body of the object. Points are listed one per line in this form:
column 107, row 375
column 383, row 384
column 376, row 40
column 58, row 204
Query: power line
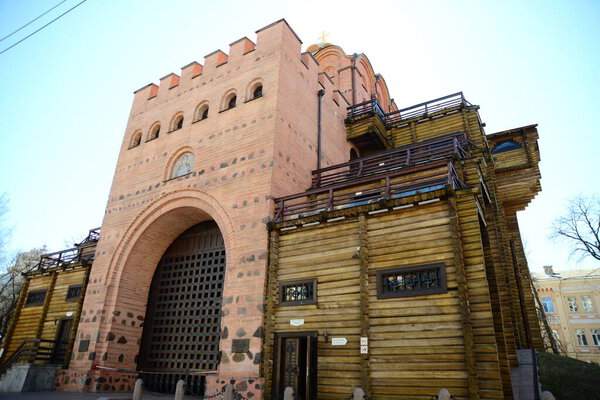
column 31, row 34
column 32, row 21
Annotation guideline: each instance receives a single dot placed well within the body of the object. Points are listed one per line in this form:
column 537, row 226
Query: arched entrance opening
column 180, row 339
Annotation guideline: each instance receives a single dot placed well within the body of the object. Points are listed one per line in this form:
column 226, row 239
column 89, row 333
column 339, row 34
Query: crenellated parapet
column 239, row 53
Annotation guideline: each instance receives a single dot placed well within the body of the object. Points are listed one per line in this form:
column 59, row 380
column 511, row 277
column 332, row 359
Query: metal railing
column 453, row 144
column 414, row 111
column 366, row 107
column 393, row 184
column 34, row 350
column 65, row 257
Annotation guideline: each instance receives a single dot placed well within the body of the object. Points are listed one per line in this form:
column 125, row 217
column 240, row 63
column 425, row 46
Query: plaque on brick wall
column 240, row 345
column 84, row 345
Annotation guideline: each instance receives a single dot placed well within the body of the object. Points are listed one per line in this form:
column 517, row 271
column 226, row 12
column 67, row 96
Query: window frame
column 595, row 336
column 581, row 338
column 572, row 301
column 38, row 302
column 443, row 288
column 588, row 306
column 283, row 285
column 548, row 310
column 80, row 286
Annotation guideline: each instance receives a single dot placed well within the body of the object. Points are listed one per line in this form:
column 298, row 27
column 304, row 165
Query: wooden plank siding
column 464, row 340
column 416, row 344
column 42, row 321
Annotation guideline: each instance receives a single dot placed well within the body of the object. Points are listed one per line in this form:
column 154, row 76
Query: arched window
column 254, row 90
column 506, row 146
column 231, row 102
column 183, row 165
column 176, row 122
column 257, row 92
column 136, row 139
column 201, row 111
column 154, row 132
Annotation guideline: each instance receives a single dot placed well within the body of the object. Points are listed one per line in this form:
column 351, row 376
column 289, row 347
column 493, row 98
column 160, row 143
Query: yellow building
column 571, row 303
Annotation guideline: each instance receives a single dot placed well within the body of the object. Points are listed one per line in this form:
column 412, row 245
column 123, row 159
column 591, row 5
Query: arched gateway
column 181, row 331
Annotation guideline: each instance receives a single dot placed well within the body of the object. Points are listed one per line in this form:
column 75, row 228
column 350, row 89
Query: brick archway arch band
column 192, row 205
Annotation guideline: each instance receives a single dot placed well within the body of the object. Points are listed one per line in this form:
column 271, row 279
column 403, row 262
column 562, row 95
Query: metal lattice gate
column 181, row 332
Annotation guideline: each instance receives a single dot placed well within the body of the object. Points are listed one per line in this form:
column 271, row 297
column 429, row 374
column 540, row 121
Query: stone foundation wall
column 94, row 381
column 249, row 388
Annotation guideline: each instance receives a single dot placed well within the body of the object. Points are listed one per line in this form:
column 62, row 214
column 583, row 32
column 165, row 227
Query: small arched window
column 176, row 122
column 136, row 139
column 231, row 102
column 506, row 146
column 154, row 132
column 257, row 92
column 201, row 112
column 183, row 166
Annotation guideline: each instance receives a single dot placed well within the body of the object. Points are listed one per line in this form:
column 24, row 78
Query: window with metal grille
column 73, row 292
column 298, row 292
column 411, row 281
column 35, row 298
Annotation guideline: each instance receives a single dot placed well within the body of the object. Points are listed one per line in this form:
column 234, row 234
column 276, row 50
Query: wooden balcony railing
column 83, row 251
column 415, row 111
column 393, row 184
column 453, row 144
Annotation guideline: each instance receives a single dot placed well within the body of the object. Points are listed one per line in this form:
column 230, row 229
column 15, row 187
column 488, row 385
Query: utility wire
column 31, row 34
column 32, row 21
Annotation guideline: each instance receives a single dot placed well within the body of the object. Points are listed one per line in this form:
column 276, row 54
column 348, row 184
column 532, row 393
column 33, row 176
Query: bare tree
column 11, row 282
column 4, row 231
column 580, row 227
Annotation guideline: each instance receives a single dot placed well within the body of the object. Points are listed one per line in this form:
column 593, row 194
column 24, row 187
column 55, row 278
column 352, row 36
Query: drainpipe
column 320, row 94
column 352, row 69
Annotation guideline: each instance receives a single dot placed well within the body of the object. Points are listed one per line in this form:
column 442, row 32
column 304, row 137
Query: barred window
column 411, row 281
column 73, row 292
column 35, row 298
column 298, row 292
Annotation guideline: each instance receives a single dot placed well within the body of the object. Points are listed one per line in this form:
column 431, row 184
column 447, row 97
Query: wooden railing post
column 330, row 203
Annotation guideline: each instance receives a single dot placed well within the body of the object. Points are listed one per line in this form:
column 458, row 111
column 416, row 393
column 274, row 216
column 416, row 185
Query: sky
column 67, row 90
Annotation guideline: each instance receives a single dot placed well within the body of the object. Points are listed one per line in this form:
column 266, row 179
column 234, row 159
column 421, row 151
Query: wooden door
column 296, row 365
column 63, row 333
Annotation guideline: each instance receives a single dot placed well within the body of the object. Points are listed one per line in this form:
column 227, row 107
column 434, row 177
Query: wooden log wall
column 416, row 344
column 513, row 179
column 42, row 321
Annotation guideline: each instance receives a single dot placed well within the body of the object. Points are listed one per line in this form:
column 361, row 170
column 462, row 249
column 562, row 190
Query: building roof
column 572, row 274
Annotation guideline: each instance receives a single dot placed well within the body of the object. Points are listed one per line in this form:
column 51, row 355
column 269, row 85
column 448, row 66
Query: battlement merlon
column 191, row 70
column 276, row 36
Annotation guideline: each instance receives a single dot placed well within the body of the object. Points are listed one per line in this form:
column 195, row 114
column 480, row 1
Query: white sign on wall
column 364, row 349
column 364, row 341
column 339, row 341
column 296, row 322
